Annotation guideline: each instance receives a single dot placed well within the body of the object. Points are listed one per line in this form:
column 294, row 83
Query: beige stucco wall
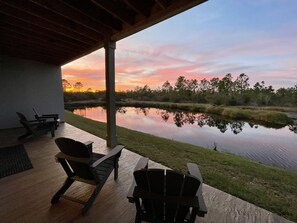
column 25, row 85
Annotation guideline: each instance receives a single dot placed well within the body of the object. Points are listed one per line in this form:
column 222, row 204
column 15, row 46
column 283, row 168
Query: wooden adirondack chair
column 36, row 127
column 51, row 117
column 82, row 165
column 166, row 195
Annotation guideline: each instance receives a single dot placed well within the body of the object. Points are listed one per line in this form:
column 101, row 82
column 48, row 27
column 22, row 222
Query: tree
column 66, row 85
column 78, row 86
column 180, row 84
column 204, row 86
column 241, row 83
column 166, row 87
column 192, row 85
column 214, row 83
column 259, row 87
column 226, row 84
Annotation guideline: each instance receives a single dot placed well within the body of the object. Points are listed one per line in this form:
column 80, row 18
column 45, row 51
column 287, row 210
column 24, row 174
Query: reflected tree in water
column 144, row 111
column 236, row 127
column 210, row 121
column 165, row 115
column 178, row 118
column 293, row 127
column 121, row 110
column 182, row 118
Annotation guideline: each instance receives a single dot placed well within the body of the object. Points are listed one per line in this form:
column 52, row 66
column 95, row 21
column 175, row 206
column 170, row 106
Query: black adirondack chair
column 36, row 127
column 51, row 117
column 82, row 165
column 166, row 195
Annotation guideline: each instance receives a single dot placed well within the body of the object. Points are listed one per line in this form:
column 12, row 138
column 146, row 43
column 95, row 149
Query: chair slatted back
column 36, row 113
column 168, row 183
column 174, row 185
column 77, row 149
column 24, row 122
column 104, row 169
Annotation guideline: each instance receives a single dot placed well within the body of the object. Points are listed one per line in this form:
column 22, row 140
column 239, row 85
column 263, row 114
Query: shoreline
column 280, row 116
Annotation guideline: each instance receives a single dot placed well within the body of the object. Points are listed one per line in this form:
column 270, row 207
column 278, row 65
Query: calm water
column 275, row 146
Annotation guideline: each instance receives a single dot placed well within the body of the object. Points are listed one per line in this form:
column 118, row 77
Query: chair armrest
column 36, row 121
column 141, row 164
column 50, row 116
column 89, row 145
column 194, row 171
column 63, row 156
column 113, row 152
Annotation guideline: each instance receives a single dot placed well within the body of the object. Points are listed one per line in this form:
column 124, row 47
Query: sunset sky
column 257, row 37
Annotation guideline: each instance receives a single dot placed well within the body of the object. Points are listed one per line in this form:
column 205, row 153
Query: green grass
column 272, row 188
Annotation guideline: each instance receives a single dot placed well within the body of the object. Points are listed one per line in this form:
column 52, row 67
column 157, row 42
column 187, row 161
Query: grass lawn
column 272, row 188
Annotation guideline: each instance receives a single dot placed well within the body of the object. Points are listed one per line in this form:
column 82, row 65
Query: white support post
column 110, row 93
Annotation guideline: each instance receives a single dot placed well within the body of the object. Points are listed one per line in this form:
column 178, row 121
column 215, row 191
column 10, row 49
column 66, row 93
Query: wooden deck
column 25, row 197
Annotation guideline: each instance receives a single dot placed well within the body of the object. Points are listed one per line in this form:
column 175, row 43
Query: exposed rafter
column 59, row 31
column 75, row 15
column 25, row 18
column 163, row 3
column 118, row 10
column 90, row 10
column 141, row 7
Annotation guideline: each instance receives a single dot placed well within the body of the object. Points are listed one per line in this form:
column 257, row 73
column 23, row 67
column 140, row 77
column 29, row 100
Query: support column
column 110, row 93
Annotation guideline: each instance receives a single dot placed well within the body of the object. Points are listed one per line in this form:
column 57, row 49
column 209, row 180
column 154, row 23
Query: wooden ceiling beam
column 117, row 10
column 163, row 3
column 21, row 50
column 22, row 53
column 30, row 19
column 89, row 9
column 74, row 15
column 141, row 7
column 22, row 41
column 25, row 35
column 44, row 14
column 41, row 32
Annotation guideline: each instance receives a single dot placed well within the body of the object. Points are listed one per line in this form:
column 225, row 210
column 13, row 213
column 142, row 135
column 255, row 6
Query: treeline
column 224, row 91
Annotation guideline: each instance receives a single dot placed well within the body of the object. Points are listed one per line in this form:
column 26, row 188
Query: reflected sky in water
column 273, row 146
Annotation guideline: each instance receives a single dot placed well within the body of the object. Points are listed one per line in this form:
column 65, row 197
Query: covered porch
column 25, row 196
column 37, row 38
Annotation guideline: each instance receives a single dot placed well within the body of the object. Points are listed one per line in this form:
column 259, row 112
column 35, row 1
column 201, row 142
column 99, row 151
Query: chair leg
column 53, row 131
column 138, row 211
column 91, row 199
column 116, row 169
column 137, row 218
column 62, row 190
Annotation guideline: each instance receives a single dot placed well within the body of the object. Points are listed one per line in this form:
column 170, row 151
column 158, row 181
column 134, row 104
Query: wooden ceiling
column 60, row 31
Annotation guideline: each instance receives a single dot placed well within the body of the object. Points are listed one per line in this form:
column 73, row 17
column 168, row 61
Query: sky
column 256, row 37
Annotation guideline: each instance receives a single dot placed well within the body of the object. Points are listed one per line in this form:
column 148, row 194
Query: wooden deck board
column 25, row 197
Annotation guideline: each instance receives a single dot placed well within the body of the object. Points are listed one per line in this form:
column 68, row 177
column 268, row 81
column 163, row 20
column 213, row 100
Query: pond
column 274, row 146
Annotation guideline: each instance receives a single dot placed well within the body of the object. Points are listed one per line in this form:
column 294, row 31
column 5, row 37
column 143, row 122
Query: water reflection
column 293, row 127
column 266, row 144
column 181, row 118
